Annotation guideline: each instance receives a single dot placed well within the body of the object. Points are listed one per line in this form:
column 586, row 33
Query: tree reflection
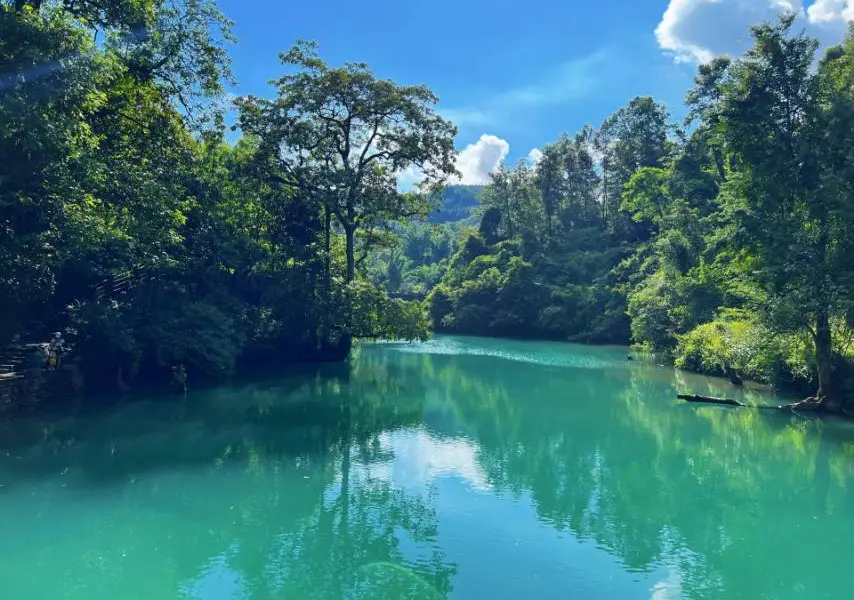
column 284, row 470
column 609, row 455
column 291, row 472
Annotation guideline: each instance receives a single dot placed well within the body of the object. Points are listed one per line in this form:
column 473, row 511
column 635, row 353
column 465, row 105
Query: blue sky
column 515, row 75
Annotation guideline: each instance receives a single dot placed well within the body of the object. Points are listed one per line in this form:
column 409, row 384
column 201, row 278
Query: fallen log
column 814, row 405
column 810, row 404
column 710, row 400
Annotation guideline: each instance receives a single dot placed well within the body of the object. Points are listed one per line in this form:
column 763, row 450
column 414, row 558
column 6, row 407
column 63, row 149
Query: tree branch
column 362, row 163
column 383, row 153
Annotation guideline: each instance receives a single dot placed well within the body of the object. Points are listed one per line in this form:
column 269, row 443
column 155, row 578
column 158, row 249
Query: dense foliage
column 127, row 221
column 724, row 242
column 417, row 258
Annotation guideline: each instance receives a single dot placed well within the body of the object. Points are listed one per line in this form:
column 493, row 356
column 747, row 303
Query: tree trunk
column 717, row 156
column 323, row 332
column 549, row 219
column 710, row 400
column 508, row 218
column 823, row 356
column 350, row 233
column 823, row 338
column 327, row 256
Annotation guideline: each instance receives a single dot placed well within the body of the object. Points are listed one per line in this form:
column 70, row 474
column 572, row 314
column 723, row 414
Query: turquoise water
column 458, row 468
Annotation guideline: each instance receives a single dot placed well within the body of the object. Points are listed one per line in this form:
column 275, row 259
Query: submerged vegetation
column 130, row 224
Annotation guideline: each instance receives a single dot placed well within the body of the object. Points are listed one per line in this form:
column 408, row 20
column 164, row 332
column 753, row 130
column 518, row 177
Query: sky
column 515, row 75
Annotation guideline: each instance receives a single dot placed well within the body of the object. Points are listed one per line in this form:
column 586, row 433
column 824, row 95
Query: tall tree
column 343, row 134
column 50, row 83
column 790, row 133
column 581, row 178
column 515, row 194
column 93, row 144
column 497, row 200
column 633, row 137
column 550, row 181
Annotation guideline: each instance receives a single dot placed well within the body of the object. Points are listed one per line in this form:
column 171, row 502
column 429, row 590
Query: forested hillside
column 456, row 203
column 726, row 242
column 418, row 252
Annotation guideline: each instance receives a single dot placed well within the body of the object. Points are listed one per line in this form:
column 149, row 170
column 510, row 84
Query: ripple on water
column 553, row 354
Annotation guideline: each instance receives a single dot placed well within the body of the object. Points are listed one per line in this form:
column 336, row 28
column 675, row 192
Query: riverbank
column 710, row 365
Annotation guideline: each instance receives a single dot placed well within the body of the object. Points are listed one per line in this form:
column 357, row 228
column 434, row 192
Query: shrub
column 737, row 340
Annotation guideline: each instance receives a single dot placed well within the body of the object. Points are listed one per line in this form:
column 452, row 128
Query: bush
column 736, row 340
column 373, row 314
column 203, row 337
column 651, row 309
column 147, row 342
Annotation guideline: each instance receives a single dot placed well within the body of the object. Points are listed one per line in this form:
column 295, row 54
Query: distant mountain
column 457, row 203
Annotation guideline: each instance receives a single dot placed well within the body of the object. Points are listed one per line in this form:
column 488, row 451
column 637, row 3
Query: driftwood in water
column 710, row 400
column 810, row 404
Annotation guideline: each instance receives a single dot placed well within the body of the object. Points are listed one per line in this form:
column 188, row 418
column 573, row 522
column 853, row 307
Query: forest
column 134, row 224
column 133, row 228
column 724, row 243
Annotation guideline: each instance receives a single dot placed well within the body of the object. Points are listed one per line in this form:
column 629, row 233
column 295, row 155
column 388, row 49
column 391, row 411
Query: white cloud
column 697, row 30
column 421, row 459
column 535, row 155
column 476, row 161
column 831, row 11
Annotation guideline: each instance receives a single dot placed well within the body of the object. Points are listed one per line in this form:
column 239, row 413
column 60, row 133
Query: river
column 457, row 468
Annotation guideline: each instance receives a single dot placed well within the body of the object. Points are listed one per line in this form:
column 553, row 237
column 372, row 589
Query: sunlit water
column 458, row 468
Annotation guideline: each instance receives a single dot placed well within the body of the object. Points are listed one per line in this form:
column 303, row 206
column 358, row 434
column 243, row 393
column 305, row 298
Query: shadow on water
column 272, row 463
column 309, row 411
column 729, row 502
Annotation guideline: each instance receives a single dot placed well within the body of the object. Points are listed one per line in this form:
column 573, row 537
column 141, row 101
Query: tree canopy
column 344, row 135
column 129, row 223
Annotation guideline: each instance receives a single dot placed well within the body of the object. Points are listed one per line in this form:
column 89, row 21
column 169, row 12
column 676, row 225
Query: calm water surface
column 459, row 468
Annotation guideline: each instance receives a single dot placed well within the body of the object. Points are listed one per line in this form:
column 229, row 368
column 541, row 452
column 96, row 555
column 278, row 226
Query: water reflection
column 262, row 491
column 740, row 504
column 453, row 469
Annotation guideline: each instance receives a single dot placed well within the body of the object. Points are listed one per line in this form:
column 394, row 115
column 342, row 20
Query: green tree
column 549, row 179
column 343, row 135
column 95, row 145
column 788, row 131
column 514, row 193
column 634, row 137
column 49, row 88
column 582, row 180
